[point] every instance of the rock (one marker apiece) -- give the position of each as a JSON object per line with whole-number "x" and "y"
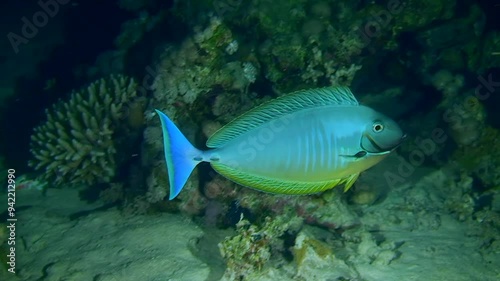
{"x": 106, "y": 246}
{"x": 315, "y": 260}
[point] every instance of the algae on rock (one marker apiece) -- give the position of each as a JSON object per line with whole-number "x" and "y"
{"x": 252, "y": 248}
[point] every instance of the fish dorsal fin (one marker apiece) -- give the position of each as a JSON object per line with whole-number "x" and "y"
{"x": 281, "y": 106}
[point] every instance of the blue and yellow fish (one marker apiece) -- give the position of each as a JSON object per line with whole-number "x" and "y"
{"x": 301, "y": 143}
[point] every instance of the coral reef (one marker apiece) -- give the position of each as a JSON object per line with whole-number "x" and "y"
{"x": 418, "y": 55}
{"x": 466, "y": 120}
{"x": 197, "y": 66}
{"x": 329, "y": 211}
{"x": 325, "y": 52}
{"x": 482, "y": 157}
{"x": 221, "y": 189}
{"x": 192, "y": 200}
{"x": 253, "y": 247}
{"x": 456, "y": 44}
{"x": 447, "y": 83}
{"x": 76, "y": 144}
{"x": 247, "y": 251}
{"x": 233, "y": 62}
{"x": 489, "y": 57}
{"x": 465, "y": 116}
{"x": 313, "y": 256}
{"x": 409, "y": 17}
{"x": 133, "y": 30}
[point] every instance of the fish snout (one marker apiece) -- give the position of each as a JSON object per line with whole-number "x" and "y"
{"x": 401, "y": 140}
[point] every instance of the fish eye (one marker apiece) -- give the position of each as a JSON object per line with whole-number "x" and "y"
{"x": 378, "y": 127}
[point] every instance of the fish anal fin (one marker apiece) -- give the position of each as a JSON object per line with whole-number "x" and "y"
{"x": 270, "y": 185}
{"x": 350, "y": 181}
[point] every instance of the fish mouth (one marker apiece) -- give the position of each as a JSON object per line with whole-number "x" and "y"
{"x": 382, "y": 150}
{"x": 401, "y": 140}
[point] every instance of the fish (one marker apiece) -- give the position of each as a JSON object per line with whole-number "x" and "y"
{"x": 301, "y": 143}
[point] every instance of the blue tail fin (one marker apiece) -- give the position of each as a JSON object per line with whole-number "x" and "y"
{"x": 181, "y": 156}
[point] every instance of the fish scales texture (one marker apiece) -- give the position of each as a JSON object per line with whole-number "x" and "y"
{"x": 294, "y": 151}
{"x": 303, "y": 143}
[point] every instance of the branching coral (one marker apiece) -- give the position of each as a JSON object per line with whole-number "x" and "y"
{"x": 76, "y": 143}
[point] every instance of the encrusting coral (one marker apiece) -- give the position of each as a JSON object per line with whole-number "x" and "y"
{"x": 76, "y": 144}
{"x": 197, "y": 67}
{"x": 253, "y": 247}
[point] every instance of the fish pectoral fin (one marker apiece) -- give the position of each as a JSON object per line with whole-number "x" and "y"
{"x": 358, "y": 155}
{"x": 350, "y": 181}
